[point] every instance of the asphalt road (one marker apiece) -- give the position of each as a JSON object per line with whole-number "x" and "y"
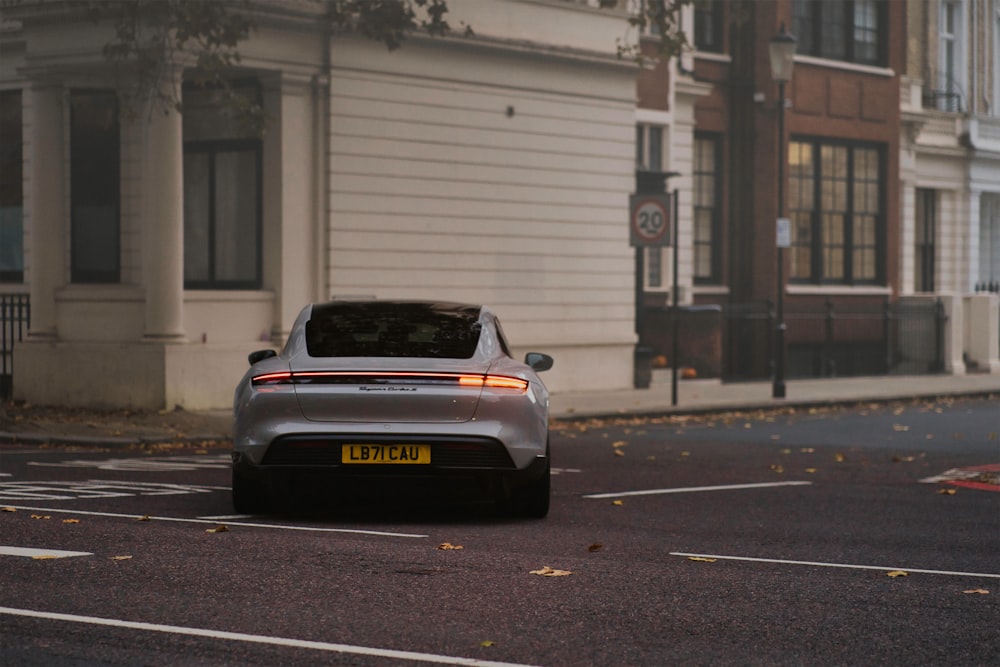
{"x": 721, "y": 540}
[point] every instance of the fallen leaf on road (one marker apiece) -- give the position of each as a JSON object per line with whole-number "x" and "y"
{"x": 947, "y": 492}
{"x": 807, "y": 450}
{"x": 977, "y": 591}
{"x": 218, "y": 529}
{"x": 595, "y": 547}
{"x": 448, "y": 546}
{"x": 839, "y": 458}
{"x": 547, "y": 571}
{"x": 903, "y": 459}
{"x": 487, "y": 643}
{"x": 144, "y": 517}
{"x": 701, "y": 559}
{"x": 44, "y": 557}
{"x": 897, "y": 573}
{"x": 618, "y": 502}
{"x": 619, "y": 452}
{"x": 811, "y": 470}
{"x": 619, "y": 443}
{"x": 40, "y": 516}
{"x": 121, "y": 558}
{"x": 778, "y": 468}
{"x": 7, "y": 509}
{"x": 71, "y": 521}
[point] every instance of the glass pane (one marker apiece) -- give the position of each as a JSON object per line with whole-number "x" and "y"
{"x": 197, "y": 221}
{"x": 236, "y": 216}
{"x": 656, "y": 148}
{"x": 11, "y": 244}
{"x": 834, "y": 29}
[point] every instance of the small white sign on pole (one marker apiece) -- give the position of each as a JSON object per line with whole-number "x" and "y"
{"x": 784, "y": 233}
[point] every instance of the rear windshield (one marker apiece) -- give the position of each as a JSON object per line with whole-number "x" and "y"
{"x": 393, "y": 329}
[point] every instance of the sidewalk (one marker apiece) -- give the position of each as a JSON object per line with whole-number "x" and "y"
{"x": 122, "y": 428}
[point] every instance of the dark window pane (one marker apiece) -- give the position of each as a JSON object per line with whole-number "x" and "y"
{"x": 11, "y": 189}
{"x": 197, "y": 221}
{"x": 94, "y": 187}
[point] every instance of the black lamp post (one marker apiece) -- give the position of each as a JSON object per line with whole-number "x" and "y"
{"x": 782, "y": 52}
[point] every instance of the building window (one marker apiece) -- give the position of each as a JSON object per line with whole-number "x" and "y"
{"x": 222, "y": 195}
{"x": 836, "y": 208}
{"x": 11, "y": 189}
{"x": 925, "y": 232}
{"x": 989, "y": 242}
{"x": 94, "y": 187}
{"x": 949, "y": 93}
{"x": 848, "y": 30}
{"x": 708, "y": 26}
{"x": 706, "y": 209}
{"x": 649, "y": 157}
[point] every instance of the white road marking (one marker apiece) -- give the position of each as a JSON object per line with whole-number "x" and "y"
{"x": 230, "y": 523}
{"x": 227, "y": 517}
{"x": 692, "y": 489}
{"x": 31, "y": 553}
{"x": 95, "y": 488}
{"x": 147, "y": 464}
{"x": 260, "y": 639}
{"x": 837, "y": 565}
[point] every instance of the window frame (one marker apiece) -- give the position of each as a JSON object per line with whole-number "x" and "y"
{"x": 714, "y": 275}
{"x": 818, "y": 248}
{"x": 214, "y": 147}
{"x": 924, "y": 239}
{"x": 709, "y": 26}
{"x": 812, "y": 22}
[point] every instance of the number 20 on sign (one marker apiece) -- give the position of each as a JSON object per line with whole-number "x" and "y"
{"x": 650, "y": 220}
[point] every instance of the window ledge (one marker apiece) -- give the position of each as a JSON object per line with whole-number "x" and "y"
{"x": 223, "y": 295}
{"x": 838, "y": 290}
{"x": 846, "y": 66}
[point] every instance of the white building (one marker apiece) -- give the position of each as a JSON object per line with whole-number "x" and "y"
{"x": 159, "y": 250}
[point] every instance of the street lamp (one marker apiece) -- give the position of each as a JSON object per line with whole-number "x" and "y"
{"x": 782, "y": 51}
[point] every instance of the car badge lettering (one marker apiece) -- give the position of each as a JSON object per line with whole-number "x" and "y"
{"x": 363, "y": 388}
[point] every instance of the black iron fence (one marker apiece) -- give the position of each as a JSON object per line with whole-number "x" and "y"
{"x": 736, "y": 341}
{"x": 15, "y": 318}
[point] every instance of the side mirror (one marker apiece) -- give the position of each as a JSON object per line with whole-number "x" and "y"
{"x": 261, "y": 355}
{"x": 539, "y": 362}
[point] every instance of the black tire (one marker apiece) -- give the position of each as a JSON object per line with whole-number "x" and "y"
{"x": 531, "y": 501}
{"x": 249, "y": 496}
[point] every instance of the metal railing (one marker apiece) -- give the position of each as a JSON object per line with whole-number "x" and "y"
{"x": 15, "y": 318}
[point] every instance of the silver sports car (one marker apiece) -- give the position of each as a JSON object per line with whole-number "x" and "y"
{"x": 369, "y": 397}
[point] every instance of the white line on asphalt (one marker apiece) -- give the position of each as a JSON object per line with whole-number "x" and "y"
{"x": 839, "y": 565}
{"x": 692, "y": 489}
{"x": 31, "y": 553}
{"x": 227, "y": 517}
{"x": 238, "y": 523}
{"x": 259, "y": 639}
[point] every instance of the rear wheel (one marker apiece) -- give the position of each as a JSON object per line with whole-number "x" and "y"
{"x": 249, "y": 496}
{"x": 531, "y": 501}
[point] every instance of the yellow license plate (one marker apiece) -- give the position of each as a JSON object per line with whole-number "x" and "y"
{"x": 394, "y": 454}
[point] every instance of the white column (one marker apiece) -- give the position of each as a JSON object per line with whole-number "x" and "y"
{"x": 47, "y": 201}
{"x": 289, "y": 201}
{"x": 163, "y": 226}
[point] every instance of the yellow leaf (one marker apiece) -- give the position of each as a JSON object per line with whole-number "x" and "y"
{"x": 900, "y": 427}
{"x": 839, "y": 458}
{"x": 947, "y": 492}
{"x": 619, "y": 452}
{"x": 685, "y": 453}
{"x": 40, "y": 516}
{"x": 595, "y": 547}
{"x": 44, "y": 557}
{"x": 7, "y": 509}
{"x": 547, "y": 571}
{"x": 903, "y": 459}
{"x": 700, "y": 559}
{"x": 121, "y": 558}
{"x": 448, "y": 546}
{"x": 618, "y": 502}
{"x": 778, "y": 468}
{"x": 144, "y": 517}
{"x": 486, "y": 643}
{"x": 977, "y": 591}
{"x": 811, "y": 470}
{"x": 897, "y": 573}
{"x": 71, "y": 521}
{"x": 619, "y": 443}
{"x": 218, "y": 529}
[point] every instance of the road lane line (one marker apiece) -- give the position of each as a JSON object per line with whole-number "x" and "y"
{"x": 31, "y": 553}
{"x": 693, "y": 489}
{"x": 228, "y": 523}
{"x": 260, "y": 639}
{"x": 837, "y": 565}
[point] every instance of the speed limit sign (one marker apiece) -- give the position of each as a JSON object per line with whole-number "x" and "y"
{"x": 650, "y": 220}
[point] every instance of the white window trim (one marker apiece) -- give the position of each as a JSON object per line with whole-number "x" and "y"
{"x": 958, "y": 40}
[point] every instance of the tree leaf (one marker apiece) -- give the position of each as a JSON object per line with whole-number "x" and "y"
{"x": 44, "y": 557}
{"x": 897, "y": 573}
{"x": 218, "y": 529}
{"x": 618, "y": 502}
{"x": 7, "y": 509}
{"x": 977, "y": 591}
{"x": 121, "y": 558}
{"x": 448, "y": 546}
{"x": 71, "y": 521}
{"x": 947, "y": 492}
{"x": 595, "y": 547}
{"x": 547, "y": 571}
{"x": 144, "y": 517}
{"x": 701, "y": 559}
{"x": 486, "y": 643}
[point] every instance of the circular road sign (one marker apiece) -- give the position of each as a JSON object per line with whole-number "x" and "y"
{"x": 651, "y": 220}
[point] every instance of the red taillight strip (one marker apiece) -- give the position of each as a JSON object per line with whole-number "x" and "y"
{"x": 345, "y": 377}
